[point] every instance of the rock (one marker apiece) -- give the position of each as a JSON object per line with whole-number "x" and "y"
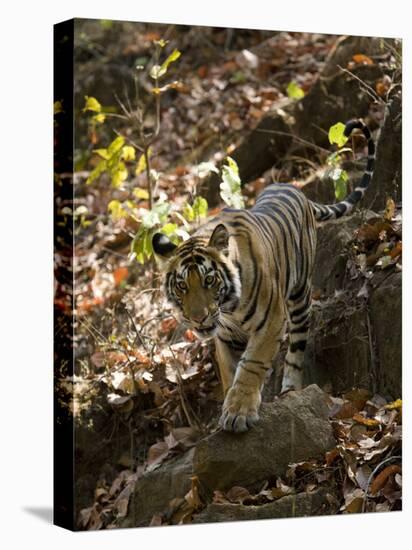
{"x": 333, "y": 238}
{"x": 341, "y": 97}
{"x": 155, "y": 489}
{"x": 387, "y": 177}
{"x": 338, "y": 352}
{"x": 299, "y": 505}
{"x": 386, "y": 321}
{"x": 292, "y": 428}
{"x": 357, "y": 342}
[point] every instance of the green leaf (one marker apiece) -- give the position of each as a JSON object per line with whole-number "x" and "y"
{"x": 230, "y": 187}
{"x": 141, "y": 245}
{"x": 116, "y": 210}
{"x": 204, "y": 168}
{"x": 140, "y": 193}
{"x": 115, "y": 145}
{"x": 162, "y": 43}
{"x": 188, "y": 212}
{"x": 334, "y": 158}
{"x": 141, "y": 163}
{"x": 91, "y": 104}
{"x": 82, "y": 209}
{"x": 172, "y": 57}
{"x": 169, "y": 228}
{"x": 128, "y": 153}
{"x": 336, "y": 134}
{"x": 294, "y": 91}
{"x": 157, "y": 71}
{"x": 100, "y": 118}
{"x": 96, "y": 172}
{"x": 200, "y": 207}
{"x": 150, "y": 219}
{"x": 233, "y": 165}
{"x": 119, "y": 175}
{"x": 340, "y": 178}
{"x": 103, "y": 153}
{"x": 131, "y": 205}
{"x": 162, "y": 209}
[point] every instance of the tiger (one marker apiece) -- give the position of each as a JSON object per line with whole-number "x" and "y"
{"x": 246, "y": 275}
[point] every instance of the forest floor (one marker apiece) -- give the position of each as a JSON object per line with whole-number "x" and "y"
{"x": 145, "y": 388}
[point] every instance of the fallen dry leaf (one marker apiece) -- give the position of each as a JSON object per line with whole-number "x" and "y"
{"x": 237, "y": 495}
{"x": 157, "y": 453}
{"x": 362, "y": 59}
{"x": 120, "y": 274}
{"x": 192, "y": 497}
{"x": 369, "y": 422}
{"x": 381, "y": 478}
{"x": 389, "y": 210}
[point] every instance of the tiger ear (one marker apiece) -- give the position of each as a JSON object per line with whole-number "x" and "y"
{"x": 220, "y": 238}
{"x": 163, "y": 247}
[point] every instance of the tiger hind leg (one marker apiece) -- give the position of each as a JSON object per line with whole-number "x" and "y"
{"x": 299, "y": 307}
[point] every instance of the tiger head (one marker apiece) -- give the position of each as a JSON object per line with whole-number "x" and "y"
{"x": 201, "y": 280}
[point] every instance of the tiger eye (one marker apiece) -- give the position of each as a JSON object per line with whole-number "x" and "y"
{"x": 182, "y": 285}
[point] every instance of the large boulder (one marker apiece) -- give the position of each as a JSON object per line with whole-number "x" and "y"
{"x": 356, "y": 341}
{"x": 155, "y": 490}
{"x": 386, "y": 324}
{"x": 292, "y": 428}
{"x": 338, "y": 352}
{"x": 387, "y": 177}
{"x": 333, "y": 238}
{"x": 318, "y": 503}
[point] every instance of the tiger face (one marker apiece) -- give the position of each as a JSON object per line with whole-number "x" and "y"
{"x": 201, "y": 281}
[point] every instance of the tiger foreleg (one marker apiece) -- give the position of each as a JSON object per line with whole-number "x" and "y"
{"x": 226, "y": 361}
{"x": 241, "y": 406}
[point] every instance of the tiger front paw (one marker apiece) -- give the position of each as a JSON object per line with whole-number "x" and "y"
{"x": 240, "y": 409}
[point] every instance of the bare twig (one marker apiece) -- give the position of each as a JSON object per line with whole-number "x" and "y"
{"x": 296, "y": 138}
{"x": 191, "y": 417}
{"x": 138, "y": 336}
{"x": 368, "y": 89}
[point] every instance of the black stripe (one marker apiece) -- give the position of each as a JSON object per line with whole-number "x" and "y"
{"x": 266, "y": 314}
{"x": 234, "y": 344}
{"x": 297, "y": 346}
{"x": 297, "y": 329}
{"x": 250, "y": 371}
{"x": 285, "y": 245}
{"x": 239, "y": 268}
{"x": 299, "y": 367}
{"x": 254, "y": 298}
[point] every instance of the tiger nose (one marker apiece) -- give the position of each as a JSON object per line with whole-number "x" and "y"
{"x": 200, "y": 317}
